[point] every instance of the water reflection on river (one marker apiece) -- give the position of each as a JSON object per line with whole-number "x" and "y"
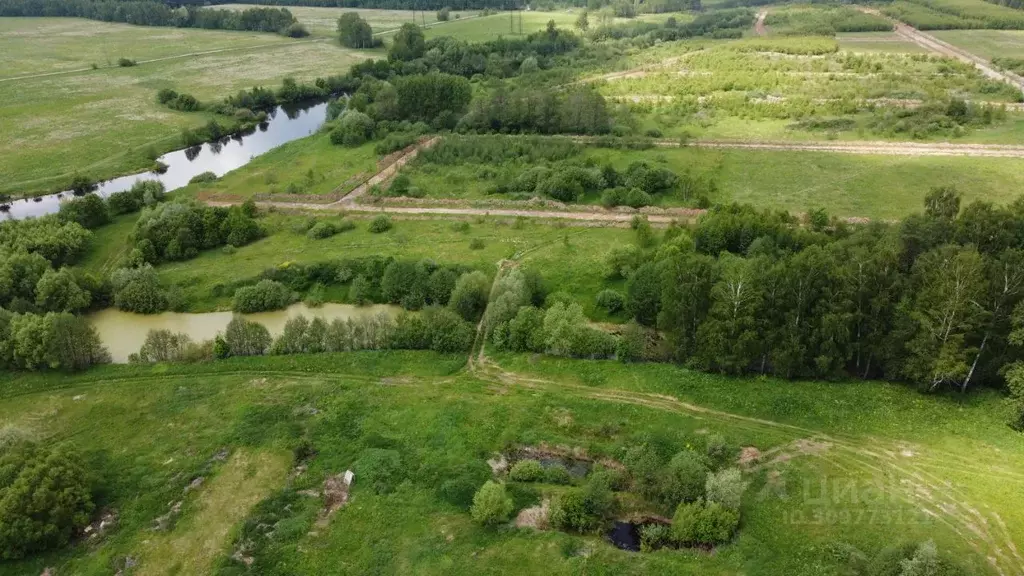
{"x": 282, "y": 126}
{"x": 124, "y": 332}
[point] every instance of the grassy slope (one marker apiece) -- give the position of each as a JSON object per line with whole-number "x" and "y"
{"x": 311, "y": 166}
{"x": 576, "y": 267}
{"x": 437, "y": 419}
{"x": 101, "y": 121}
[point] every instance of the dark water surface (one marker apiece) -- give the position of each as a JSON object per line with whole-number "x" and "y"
{"x": 625, "y": 536}
{"x": 282, "y": 125}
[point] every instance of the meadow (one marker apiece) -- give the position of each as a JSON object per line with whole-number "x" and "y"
{"x": 323, "y": 22}
{"x": 846, "y": 185}
{"x": 885, "y": 42}
{"x": 572, "y": 259}
{"x": 868, "y": 465}
{"x": 494, "y": 26}
{"x": 106, "y": 122}
{"x": 986, "y": 43}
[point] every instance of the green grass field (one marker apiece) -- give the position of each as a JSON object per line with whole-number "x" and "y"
{"x": 324, "y": 21}
{"x": 877, "y": 42}
{"x": 848, "y": 185}
{"x": 307, "y": 167}
{"x": 576, "y": 267}
{"x": 501, "y": 24}
{"x": 100, "y": 122}
{"x": 866, "y": 464}
{"x": 986, "y": 43}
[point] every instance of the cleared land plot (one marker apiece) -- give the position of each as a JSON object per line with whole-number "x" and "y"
{"x": 877, "y": 187}
{"x": 875, "y": 463}
{"x": 985, "y": 43}
{"x": 877, "y": 42}
{"x": 101, "y": 122}
{"x": 324, "y": 21}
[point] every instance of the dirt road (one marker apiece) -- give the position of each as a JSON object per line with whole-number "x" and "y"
{"x": 946, "y": 49}
{"x": 759, "y": 28}
{"x": 593, "y": 216}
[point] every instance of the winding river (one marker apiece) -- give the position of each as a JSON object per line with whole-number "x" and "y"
{"x": 124, "y": 332}
{"x": 220, "y": 157}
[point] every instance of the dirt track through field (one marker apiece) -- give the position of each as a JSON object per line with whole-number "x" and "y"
{"x": 759, "y": 28}
{"x": 599, "y": 217}
{"x": 933, "y": 44}
{"x": 898, "y": 469}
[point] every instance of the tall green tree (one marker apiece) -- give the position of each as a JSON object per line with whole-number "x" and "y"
{"x": 949, "y": 286}
{"x": 354, "y": 32}
{"x": 408, "y": 43}
{"x": 728, "y": 340}
{"x": 685, "y": 286}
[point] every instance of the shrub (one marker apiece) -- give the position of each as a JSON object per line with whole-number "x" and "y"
{"x": 526, "y": 471}
{"x": 476, "y": 244}
{"x": 444, "y": 14}
{"x": 447, "y": 332}
{"x": 462, "y": 483}
{"x": 654, "y": 536}
{"x": 557, "y": 474}
{"x": 144, "y": 193}
{"x": 246, "y": 338}
{"x": 610, "y": 300}
{"x": 683, "y": 479}
{"x": 264, "y": 295}
{"x": 491, "y": 505}
{"x": 353, "y": 129}
{"x": 380, "y": 469}
{"x": 380, "y": 223}
{"x": 703, "y": 523}
{"x": 138, "y": 290}
{"x": 582, "y": 510}
{"x": 45, "y": 497}
{"x": 125, "y": 62}
{"x": 89, "y": 211}
{"x": 361, "y": 291}
{"x": 726, "y": 488}
{"x": 469, "y": 297}
{"x": 322, "y": 230}
{"x": 718, "y": 450}
{"x": 203, "y": 178}
{"x": 440, "y": 285}
{"x": 163, "y": 346}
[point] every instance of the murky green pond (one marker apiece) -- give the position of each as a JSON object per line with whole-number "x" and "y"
{"x": 124, "y": 332}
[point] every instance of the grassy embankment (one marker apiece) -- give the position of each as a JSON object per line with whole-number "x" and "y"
{"x": 106, "y": 121}
{"x": 869, "y": 464}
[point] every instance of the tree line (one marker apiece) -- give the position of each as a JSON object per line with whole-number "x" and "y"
{"x": 152, "y": 13}
{"x": 929, "y": 301}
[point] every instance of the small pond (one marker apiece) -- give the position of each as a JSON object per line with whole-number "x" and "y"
{"x": 124, "y": 332}
{"x": 625, "y": 536}
{"x": 283, "y": 125}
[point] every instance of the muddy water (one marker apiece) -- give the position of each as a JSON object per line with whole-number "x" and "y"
{"x": 124, "y": 332}
{"x": 283, "y": 125}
